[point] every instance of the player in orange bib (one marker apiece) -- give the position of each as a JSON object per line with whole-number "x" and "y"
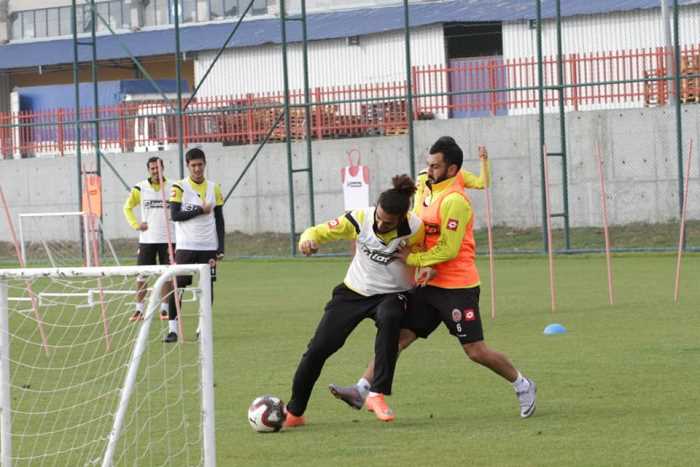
{"x": 452, "y": 296}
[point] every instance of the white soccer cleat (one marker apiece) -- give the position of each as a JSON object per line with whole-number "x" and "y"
{"x": 528, "y": 399}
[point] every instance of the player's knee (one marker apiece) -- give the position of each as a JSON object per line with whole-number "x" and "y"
{"x": 476, "y": 351}
{"x": 390, "y": 313}
{"x": 388, "y": 318}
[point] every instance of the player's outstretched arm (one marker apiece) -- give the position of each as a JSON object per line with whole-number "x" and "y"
{"x": 483, "y": 180}
{"x": 345, "y": 227}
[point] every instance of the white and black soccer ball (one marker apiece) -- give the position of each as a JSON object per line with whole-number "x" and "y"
{"x": 266, "y": 414}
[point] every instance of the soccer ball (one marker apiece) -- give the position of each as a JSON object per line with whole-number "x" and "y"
{"x": 266, "y": 414}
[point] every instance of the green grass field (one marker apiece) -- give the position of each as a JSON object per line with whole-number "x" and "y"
{"x": 620, "y": 388}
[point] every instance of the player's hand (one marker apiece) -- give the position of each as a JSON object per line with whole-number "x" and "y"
{"x": 207, "y": 207}
{"x": 424, "y": 275}
{"x": 143, "y": 226}
{"x": 483, "y": 153}
{"x": 308, "y": 247}
{"x": 403, "y": 252}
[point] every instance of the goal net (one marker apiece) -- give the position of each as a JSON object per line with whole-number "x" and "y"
{"x": 64, "y": 239}
{"x": 81, "y": 384}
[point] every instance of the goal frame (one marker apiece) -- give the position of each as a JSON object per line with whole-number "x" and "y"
{"x": 206, "y": 349}
{"x": 86, "y": 244}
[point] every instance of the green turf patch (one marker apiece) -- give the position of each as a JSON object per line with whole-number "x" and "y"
{"x": 618, "y": 389}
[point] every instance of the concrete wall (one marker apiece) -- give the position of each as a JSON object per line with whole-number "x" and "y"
{"x": 638, "y": 145}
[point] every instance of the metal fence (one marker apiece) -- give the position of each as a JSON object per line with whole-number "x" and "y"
{"x": 477, "y": 87}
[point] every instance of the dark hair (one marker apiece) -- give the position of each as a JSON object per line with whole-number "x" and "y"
{"x": 195, "y": 153}
{"x": 451, "y": 152}
{"x": 397, "y": 200}
{"x": 154, "y": 159}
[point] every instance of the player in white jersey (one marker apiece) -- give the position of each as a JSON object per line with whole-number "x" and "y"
{"x": 373, "y": 288}
{"x": 196, "y": 206}
{"x": 153, "y": 229}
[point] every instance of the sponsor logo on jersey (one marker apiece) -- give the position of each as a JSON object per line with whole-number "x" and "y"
{"x": 354, "y": 184}
{"x": 378, "y": 256}
{"x": 154, "y": 204}
{"x": 333, "y": 224}
{"x": 456, "y": 315}
{"x": 452, "y": 224}
{"x": 469, "y": 314}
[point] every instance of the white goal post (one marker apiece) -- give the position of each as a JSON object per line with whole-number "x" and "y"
{"x": 57, "y": 361}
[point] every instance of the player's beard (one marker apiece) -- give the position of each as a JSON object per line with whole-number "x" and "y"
{"x": 432, "y": 181}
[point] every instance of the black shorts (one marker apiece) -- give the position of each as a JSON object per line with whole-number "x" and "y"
{"x": 457, "y": 309}
{"x": 194, "y": 257}
{"x": 149, "y": 252}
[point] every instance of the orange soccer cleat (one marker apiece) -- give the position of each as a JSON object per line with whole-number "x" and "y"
{"x": 293, "y": 421}
{"x": 375, "y": 403}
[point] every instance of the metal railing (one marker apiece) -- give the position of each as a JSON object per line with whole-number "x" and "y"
{"x": 478, "y": 87}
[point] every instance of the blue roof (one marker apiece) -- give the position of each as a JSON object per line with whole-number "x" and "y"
{"x": 330, "y": 25}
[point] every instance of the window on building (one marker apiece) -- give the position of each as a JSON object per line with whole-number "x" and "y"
{"x": 473, "y": 39}
{"x": 49, "y": 22}
{"x": 231, "y": 8}
{"x": 16, "y": 25}
{"x": 234, "y": 8}
{"x": 64, "y": 21}
{"x": 40, "y": 23}
{"x": 216, "y": 9}
{"x": 103, "y": 11}
{"x": 28, "y": 24}
{"x": 156, "y": 12}
{"x": 260, "y": 7}
{"x": 52, "y": 20}
{"x": 189, "y": 11}
{"x": 118, "y": 16}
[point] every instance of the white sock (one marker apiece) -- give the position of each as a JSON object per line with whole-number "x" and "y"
{"x": 139, "y": 307}
{"x": 520, "y": 383}
{"x": 373, "y": 394}
{"x": 172, "y": 326}
{"x": 363, "y": 387}
{"x": 164, "y": 307}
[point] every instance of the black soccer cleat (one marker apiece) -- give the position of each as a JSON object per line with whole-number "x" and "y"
{"x": 171, "y": 337}
{"x": 348, "y": 394}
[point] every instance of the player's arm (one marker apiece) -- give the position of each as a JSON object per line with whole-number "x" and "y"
{"x": 455, "y": 213}
{"x": 484, "y": 178}
{"x": 131, "y": 202}
{"x": 345, "y": 227}
{"x": 421, "y": 179}
{"x": 176, "y": 212}
{"x": 219, "y": 219}
{"x": 415, "y": 241}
